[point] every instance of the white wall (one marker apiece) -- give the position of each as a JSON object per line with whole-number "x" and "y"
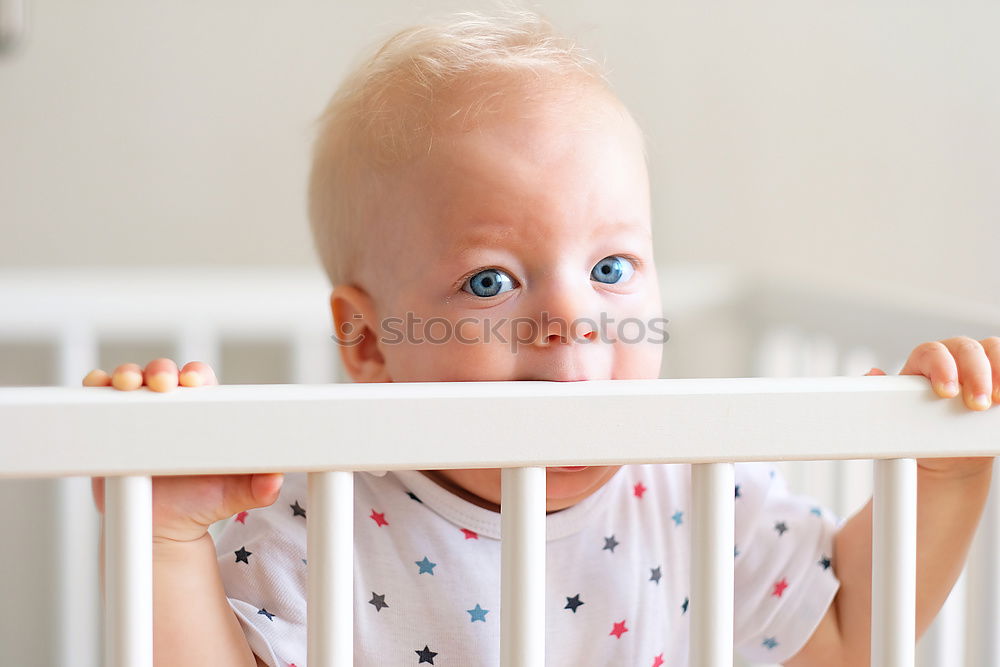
{"x": 855, "y": 139}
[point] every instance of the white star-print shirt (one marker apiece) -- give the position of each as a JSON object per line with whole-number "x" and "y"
{"x": 427, "y": 572}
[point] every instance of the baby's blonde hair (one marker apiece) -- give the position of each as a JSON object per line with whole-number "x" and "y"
{"x": 386, "y": 111}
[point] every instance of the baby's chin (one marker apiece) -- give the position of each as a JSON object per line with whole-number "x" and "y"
{"x": 567, "y": 485}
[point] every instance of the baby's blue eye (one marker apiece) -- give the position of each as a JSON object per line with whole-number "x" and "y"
{"x": 613, "y": 269}
{"x": 489, "y": 282}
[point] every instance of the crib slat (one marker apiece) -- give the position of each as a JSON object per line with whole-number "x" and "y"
{"x": 894, "y": 563}
{"x": 77, "y": 522}
{"x": 983, "y": 597}
{"x": 712, "y": 569}
{"x": 128, "y": 571}
{"x": 199, "y": 341}
{"x": 522, "y": 567}
{"x": 330, "y": 563}
{"x": 312, "y": 357}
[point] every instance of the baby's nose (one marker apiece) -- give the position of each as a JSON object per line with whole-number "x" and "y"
{"x": 556, "y": 331}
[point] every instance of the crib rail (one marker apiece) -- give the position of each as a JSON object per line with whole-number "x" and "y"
{"x": 210, "y": 430}
{"x": 708, "y": 422}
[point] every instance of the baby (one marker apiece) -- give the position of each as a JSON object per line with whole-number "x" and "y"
{"x": 480, "y": 201}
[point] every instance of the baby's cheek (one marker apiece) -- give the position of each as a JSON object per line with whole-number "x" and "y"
{"x": 635, "y": 341}
{"x": 458, "y": 361}
{"x": 636, "y": 360}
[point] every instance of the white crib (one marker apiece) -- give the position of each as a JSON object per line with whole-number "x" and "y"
{"x": 753, "y": 333}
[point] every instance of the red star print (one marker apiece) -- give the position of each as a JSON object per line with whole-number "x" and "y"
{"x": 242, "y": 517}
{"x": 618, "y": 630}
{"x": 469, "y": 535}
{"x": 658, "y": 660}
{"x": 379, "y": 519}
{"x": 638, "y": 490}
{"x": 780, "y": 587}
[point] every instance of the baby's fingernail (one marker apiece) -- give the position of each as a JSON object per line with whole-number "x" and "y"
{"x": 949, "y": 389}
{"x": 127, "y": 380}
{"x": 162, "y": 381}
{"x": 191, "y": 379}
{"x": 981, "y": 401}
{"x": 95, "y": 378}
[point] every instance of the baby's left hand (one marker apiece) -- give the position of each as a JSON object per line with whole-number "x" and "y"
{"x": 952, "y": 365}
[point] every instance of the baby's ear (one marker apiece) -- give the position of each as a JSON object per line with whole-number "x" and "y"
{"x": 356, "y": 330}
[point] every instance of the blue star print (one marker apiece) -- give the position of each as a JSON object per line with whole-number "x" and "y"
{"x": 677, "y": 517}
{"x": 655, "y": 574}
{"x": 425, "y": 566}
{"x": 265, "y": 612}
{"x": 610, "y": 543}
{"x": 478, "y": 614}
{"x": 817, "y": 511}
{"x": 573, "y": 602}
{"x": 769, "y": 643}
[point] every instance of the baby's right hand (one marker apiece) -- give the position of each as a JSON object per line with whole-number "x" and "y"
{"x": 184, "y": 506}
{"x": 160, "y": 375}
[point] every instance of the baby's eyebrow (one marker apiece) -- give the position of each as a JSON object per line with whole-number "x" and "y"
{"x": 492, "y": 235}
{"x": 484, "y": 235}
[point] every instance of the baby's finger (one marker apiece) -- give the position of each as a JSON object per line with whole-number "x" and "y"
{"x": 974, "y": 371}
{"x": 127, "y": 377}
{"x": 97, "y": 378}
{"x": 992, "y": 347}
{"x": 934, "y": 360}
{"x": 161, "y": 374}
{"x": 196, "y": 374}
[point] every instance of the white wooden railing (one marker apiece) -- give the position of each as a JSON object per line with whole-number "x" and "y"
{"x": 722, "y": 323}
{"x": 707, "y": 422}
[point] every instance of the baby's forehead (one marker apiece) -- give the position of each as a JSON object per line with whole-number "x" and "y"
{"x": 515, "y": 166}
{"x": 414, "y": 122}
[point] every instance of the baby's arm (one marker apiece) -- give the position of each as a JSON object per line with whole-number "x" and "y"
{"x": 193, "y": 623}
{"x": 948, "y": 511}
{"x": 951, "y": 496}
